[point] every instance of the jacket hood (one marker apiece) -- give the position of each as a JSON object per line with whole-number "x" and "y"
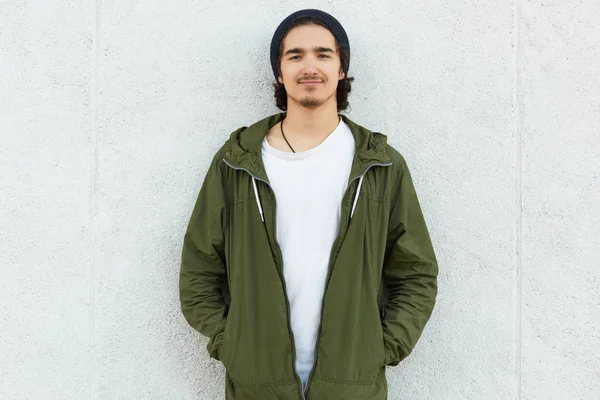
{"x": 243, "y": 149}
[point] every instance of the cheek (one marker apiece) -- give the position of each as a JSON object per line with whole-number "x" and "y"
{"x": 288, "y": 75}
{"x": 334, "y": 72}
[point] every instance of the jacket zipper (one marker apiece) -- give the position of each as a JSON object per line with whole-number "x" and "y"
{"x": 332, "y": 256}
{"x": 280, "y": 259}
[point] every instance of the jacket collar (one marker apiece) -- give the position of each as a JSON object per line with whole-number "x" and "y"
{"x": 245, "y": 146}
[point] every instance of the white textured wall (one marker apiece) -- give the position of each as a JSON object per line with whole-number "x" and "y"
{"x": 110, "y": 112}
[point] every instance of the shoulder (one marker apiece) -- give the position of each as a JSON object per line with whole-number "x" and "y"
{"x": 376, "y": 143}
{"x": 392, "y": 153}
{"x": 396, "y": 158}
{"x": 227, "y": 146}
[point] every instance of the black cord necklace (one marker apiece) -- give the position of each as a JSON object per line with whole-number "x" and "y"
{"x": 284, "y": 138}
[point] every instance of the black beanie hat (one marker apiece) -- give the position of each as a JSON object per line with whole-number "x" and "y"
{"x": 328, "y": 20}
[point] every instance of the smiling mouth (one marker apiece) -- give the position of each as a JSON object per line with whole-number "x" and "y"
{"x": 310, "y": 83}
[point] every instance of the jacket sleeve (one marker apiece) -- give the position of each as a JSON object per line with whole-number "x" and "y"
{"x": 203, "y": 272}
{"x": 410, "y": 273}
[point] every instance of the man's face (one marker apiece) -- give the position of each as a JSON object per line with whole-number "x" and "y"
{"x": 310, "y": 66}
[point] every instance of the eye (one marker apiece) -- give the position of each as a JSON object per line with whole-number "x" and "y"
{"x": 324, "y": 55}
{"x": 291, "y": 58}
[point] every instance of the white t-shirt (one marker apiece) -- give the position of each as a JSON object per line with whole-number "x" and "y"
{"x": 309, "y": 187}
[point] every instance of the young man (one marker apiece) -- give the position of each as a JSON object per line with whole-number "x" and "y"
{"x": 307, "y": 261}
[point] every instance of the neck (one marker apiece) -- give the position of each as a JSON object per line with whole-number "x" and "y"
{"x": 311, "y": 122}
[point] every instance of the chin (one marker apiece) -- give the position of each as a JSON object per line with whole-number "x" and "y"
{"x": 311, "y": 102}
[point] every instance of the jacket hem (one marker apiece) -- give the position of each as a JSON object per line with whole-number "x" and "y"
{"x": 342, "y": 382}
{"x": 327, "y": 388}
{"x": 259, "y": 385}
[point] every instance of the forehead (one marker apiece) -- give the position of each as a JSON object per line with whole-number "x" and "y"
{"x": 308, "y": 36}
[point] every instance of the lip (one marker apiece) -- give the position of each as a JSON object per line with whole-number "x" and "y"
{"x": 310, "y": 83}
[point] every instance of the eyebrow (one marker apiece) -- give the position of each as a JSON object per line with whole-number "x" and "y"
{"x": 297, "y": 50}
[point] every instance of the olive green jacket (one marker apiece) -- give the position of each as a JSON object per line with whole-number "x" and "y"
{"x": 380, "y": 289}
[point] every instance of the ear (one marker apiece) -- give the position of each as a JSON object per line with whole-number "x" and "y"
{"x": 342, "y": 74}
{"x": 280, "y": 79}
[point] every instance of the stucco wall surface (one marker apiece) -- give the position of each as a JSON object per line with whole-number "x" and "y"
{"x": 110, "y": 112}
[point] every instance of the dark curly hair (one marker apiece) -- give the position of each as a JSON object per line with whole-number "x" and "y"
{"x": 344, "y": 85}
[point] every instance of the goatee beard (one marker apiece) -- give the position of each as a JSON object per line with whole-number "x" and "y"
{"x": 310, "y": 102}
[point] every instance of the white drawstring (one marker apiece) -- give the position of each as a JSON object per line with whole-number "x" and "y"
{"x": 356, "y": 195}
{"x": 258, "y": 200}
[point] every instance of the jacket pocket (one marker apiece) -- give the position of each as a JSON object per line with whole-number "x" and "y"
{"x": 223, "y": 353}
{"x": 352, "y": 341}
{"x": 384, "y": 350}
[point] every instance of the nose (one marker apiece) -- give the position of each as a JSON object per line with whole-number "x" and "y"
{"x": 310, "y": 66}
{"x": 309, "y": 70}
